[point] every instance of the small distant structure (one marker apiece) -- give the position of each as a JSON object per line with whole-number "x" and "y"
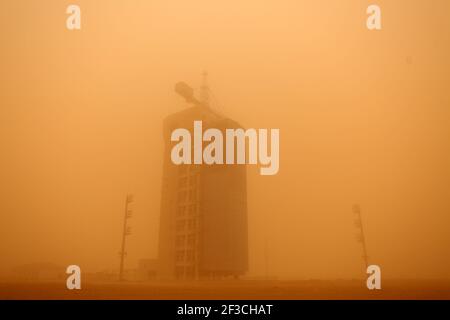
{"x": 101, "y": 276}
{"x": 39, "y": 272}
{"x": 147, "y": 269}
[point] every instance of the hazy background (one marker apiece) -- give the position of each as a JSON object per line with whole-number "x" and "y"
{"x": 364, "y": 118}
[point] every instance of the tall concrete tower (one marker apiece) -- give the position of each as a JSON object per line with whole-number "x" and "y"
{"x": 203, "y": 222}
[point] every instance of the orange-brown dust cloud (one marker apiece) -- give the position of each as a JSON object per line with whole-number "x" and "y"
{"x": 363, "y": 116}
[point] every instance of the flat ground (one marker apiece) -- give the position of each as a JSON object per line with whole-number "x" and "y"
{"x": 236, "y": 290}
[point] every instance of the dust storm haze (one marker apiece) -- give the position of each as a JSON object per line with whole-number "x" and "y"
{"x": 364, "y": 119}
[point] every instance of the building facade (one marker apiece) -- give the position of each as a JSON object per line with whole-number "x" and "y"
{"x": 203, "y": 221}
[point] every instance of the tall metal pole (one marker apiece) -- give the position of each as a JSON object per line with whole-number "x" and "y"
{"x": 126, "y": 231}
{"x": 361, "y": 236}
